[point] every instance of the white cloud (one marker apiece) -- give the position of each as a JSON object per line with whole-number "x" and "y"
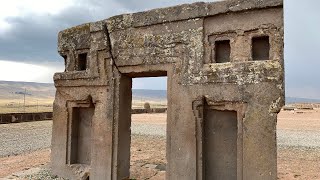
{"x": 21, "y": 7}
{"x": 17, "y": 71}
{"x": 16, "y": 8}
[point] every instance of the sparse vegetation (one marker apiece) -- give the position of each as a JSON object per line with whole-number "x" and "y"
{"x": 39, "y": 97}
{"x": 26, "y": 97}
{"x": 32, "y": 105}
{"x": 147, "y": 106}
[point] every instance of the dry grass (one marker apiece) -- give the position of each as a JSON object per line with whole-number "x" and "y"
{"x": 32, "y": 105}
{"x": 45, "y": 105}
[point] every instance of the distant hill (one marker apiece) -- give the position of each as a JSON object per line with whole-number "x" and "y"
{"x": 148, "y": 94}
{"x": 291, "y": 100}
{"x": 15, "y": 90}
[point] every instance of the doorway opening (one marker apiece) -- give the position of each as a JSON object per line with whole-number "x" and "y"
{"x": 147, "y": 126}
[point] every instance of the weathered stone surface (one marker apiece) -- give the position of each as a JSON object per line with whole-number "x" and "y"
{"x": 179, "y": 42}
{"x": 185, "y": 12}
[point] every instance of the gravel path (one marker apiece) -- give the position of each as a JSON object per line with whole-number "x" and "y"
{"x": 148, "y": 129}
{"x": 24, "y": 137}
{"x": 285, "y": 138}
{"x": 30, "y": 136}
{"x": 301, "y": 138}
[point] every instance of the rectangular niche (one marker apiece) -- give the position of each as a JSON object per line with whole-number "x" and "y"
{"x": 220, "y": 131}
{"x": 82, "y": 61}
{"x": 222, "y": 51}
{"x": 260, "y": 48}
{"x": 81, "y": 127}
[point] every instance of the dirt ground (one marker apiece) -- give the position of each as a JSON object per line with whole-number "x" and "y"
{"x": 148, "y": 151}
{"x": 299, "y": 120}
{"x": 12, "y": 164}
{"x": 299, "y": 162}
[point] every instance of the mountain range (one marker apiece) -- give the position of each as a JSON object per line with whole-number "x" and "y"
{"x": 14, "y": 90}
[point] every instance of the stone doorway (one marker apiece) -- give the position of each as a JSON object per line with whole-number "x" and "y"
{"x": 228, "y": 54}
{"x": 126, "y": 131}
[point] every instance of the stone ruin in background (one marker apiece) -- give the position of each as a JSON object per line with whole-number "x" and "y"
{"x": 224, "y": 63}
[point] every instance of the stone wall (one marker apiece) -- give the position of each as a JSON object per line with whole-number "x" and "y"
{"x": 27, "y": 117}
{"x": 24, "y": 117}
{"x": 152, "y": 110}
{"x": 224, "y": 63}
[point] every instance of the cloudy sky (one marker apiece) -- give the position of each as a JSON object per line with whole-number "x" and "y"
{"x": 28, "y": 38}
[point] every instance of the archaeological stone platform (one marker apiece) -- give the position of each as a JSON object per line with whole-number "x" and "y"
{"x": 224, "y": 63}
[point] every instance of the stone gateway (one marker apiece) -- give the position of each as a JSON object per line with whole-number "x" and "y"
{"x": 225, "y": 69}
